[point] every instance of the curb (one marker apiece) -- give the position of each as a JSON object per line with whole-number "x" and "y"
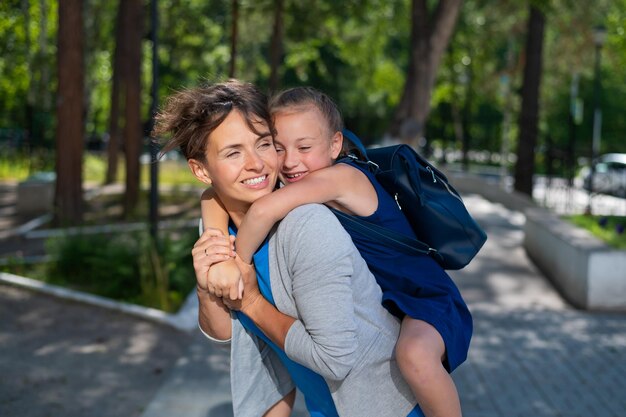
{"x": 185, "y": 319}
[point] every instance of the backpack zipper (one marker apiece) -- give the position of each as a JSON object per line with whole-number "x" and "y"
{"x": 429, "y": 169}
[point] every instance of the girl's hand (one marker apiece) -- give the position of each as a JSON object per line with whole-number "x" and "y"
{"x": 212, "y": 247}
{"x": 224, "y": 280}
{"x": 251, "y": 293}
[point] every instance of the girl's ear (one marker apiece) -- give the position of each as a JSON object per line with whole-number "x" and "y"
{"x": 336, "y": 145}
{"x": 199, "y": 171}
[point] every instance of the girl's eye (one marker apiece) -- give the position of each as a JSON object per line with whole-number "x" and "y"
{"x": 279, "y": 150}
{"x": 264, "y": 145}
{"x": 304, "y": 148}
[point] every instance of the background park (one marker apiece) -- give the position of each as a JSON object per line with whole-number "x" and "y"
{"x": 516, "y": 97}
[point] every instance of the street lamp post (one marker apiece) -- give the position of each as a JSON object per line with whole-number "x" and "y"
{"x": 599, "y": 36}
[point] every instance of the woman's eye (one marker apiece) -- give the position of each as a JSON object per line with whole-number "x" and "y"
{"x": 233, "y": 154}
{"x": 279, "y": 150}
{"x": 265, "y": 145}
{"x": 304, "y": 148}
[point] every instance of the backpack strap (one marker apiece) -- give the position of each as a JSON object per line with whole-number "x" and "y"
{"x": 355, "y": 141}
{"x": 396, "y": 240}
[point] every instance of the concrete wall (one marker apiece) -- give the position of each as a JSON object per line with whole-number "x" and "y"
{"x": 490, "y": 189}
{"x": 35, "y": 195}
{"x": 586, "y": 271}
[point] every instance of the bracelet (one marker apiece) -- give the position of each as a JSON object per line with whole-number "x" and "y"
{"x": 214, "y": 340}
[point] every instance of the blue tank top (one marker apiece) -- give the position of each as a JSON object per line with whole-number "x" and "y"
{"x": 317, "y": 396}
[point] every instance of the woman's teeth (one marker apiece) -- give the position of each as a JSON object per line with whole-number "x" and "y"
{"x": 254, "y": 181}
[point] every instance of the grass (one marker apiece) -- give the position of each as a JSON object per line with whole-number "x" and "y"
{"x": 609, "y": 229}
{"x": 18, "y": 166}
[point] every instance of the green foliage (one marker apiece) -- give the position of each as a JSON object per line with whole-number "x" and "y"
{"x": 126, "y": 266}
{"x": 610, "y": 229}
{"x": 27, "y": 37}
{"x": 356, "y": 50}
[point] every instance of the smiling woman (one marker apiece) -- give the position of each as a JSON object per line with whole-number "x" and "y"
{"x": 239, "y": 163}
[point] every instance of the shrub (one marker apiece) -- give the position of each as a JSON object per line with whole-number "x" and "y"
{"x": 127, "y": 266}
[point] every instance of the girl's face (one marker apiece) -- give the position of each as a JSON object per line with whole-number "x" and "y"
{"x": 240, "y": 164}
{"x": 304, "y": 143}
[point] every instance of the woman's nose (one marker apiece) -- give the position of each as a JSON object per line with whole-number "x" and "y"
{"x": 254, "y": 162}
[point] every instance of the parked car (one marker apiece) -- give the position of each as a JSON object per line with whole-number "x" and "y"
{"x": 609, "y": 176}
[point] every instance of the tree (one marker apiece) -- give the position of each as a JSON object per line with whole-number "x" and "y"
{"x": 133, "y": 137}
{"x": 430, "y": 35}
{"x": 233, "y": 38}
{"x": 276, "y": 45}
{"x": 528, "y": 121}
{"x": 113, "y": 145}
{"x": 70, "y": 111}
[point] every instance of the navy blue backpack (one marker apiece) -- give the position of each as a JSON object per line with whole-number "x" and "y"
{"x": 444, "y": 228}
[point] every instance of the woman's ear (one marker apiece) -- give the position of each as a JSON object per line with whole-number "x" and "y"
{"x": 199, "y": 171}
{"x": 336, "y": 144}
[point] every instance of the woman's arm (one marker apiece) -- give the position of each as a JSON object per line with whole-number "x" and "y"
{"x": 213, "y": 316}
{"x": 340, "y": 183}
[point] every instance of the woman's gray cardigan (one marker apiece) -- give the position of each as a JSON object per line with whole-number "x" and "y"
{"x": 342, "y": 332}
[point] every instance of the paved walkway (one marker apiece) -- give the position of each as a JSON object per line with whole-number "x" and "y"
{"x": 531, "y": 355}
{"x": 67, "y": 359}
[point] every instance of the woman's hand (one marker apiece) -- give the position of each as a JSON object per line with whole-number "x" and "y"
{"x": 251, "y": 293}
{"x": 210, "y": 249}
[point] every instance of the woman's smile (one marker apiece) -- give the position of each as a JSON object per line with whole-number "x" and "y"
{"x": 257, "y": 182}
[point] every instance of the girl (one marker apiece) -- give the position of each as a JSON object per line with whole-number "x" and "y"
{"x": 436, "y": 324}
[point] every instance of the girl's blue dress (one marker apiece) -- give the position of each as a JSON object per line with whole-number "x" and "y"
{"x": 416, "y": 286}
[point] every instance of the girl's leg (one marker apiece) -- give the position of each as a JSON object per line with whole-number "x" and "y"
{"x": 419, "y": 352}
{"x": 283, "y": 407}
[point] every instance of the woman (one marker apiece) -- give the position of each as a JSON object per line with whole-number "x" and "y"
{"x": 318, "y": 304}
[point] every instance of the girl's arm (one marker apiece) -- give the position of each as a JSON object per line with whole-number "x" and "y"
{"x": 341, "y": 184}
{"x": 214, "y": 215}
{"x": 223, "y": 278}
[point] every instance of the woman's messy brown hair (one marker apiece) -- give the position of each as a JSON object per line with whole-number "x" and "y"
{"x": 191, "y": 115}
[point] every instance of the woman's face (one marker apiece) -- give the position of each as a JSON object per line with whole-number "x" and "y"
{"x": 241, "y": 165}
{"x": 304, "y": 143}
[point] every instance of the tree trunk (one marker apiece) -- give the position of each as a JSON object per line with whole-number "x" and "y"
{"x": 276, "y": 46}
{"x": 70, "y": 126}
{"x": 113, "y": 146}
{"x": 233, "y": 38}
{"x": 133, "y": 137}
{"x": 525, "y": 166}
{"x": 430, "y": 35}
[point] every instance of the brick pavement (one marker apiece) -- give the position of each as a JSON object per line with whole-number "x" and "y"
{"x": 532, "y": 354}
